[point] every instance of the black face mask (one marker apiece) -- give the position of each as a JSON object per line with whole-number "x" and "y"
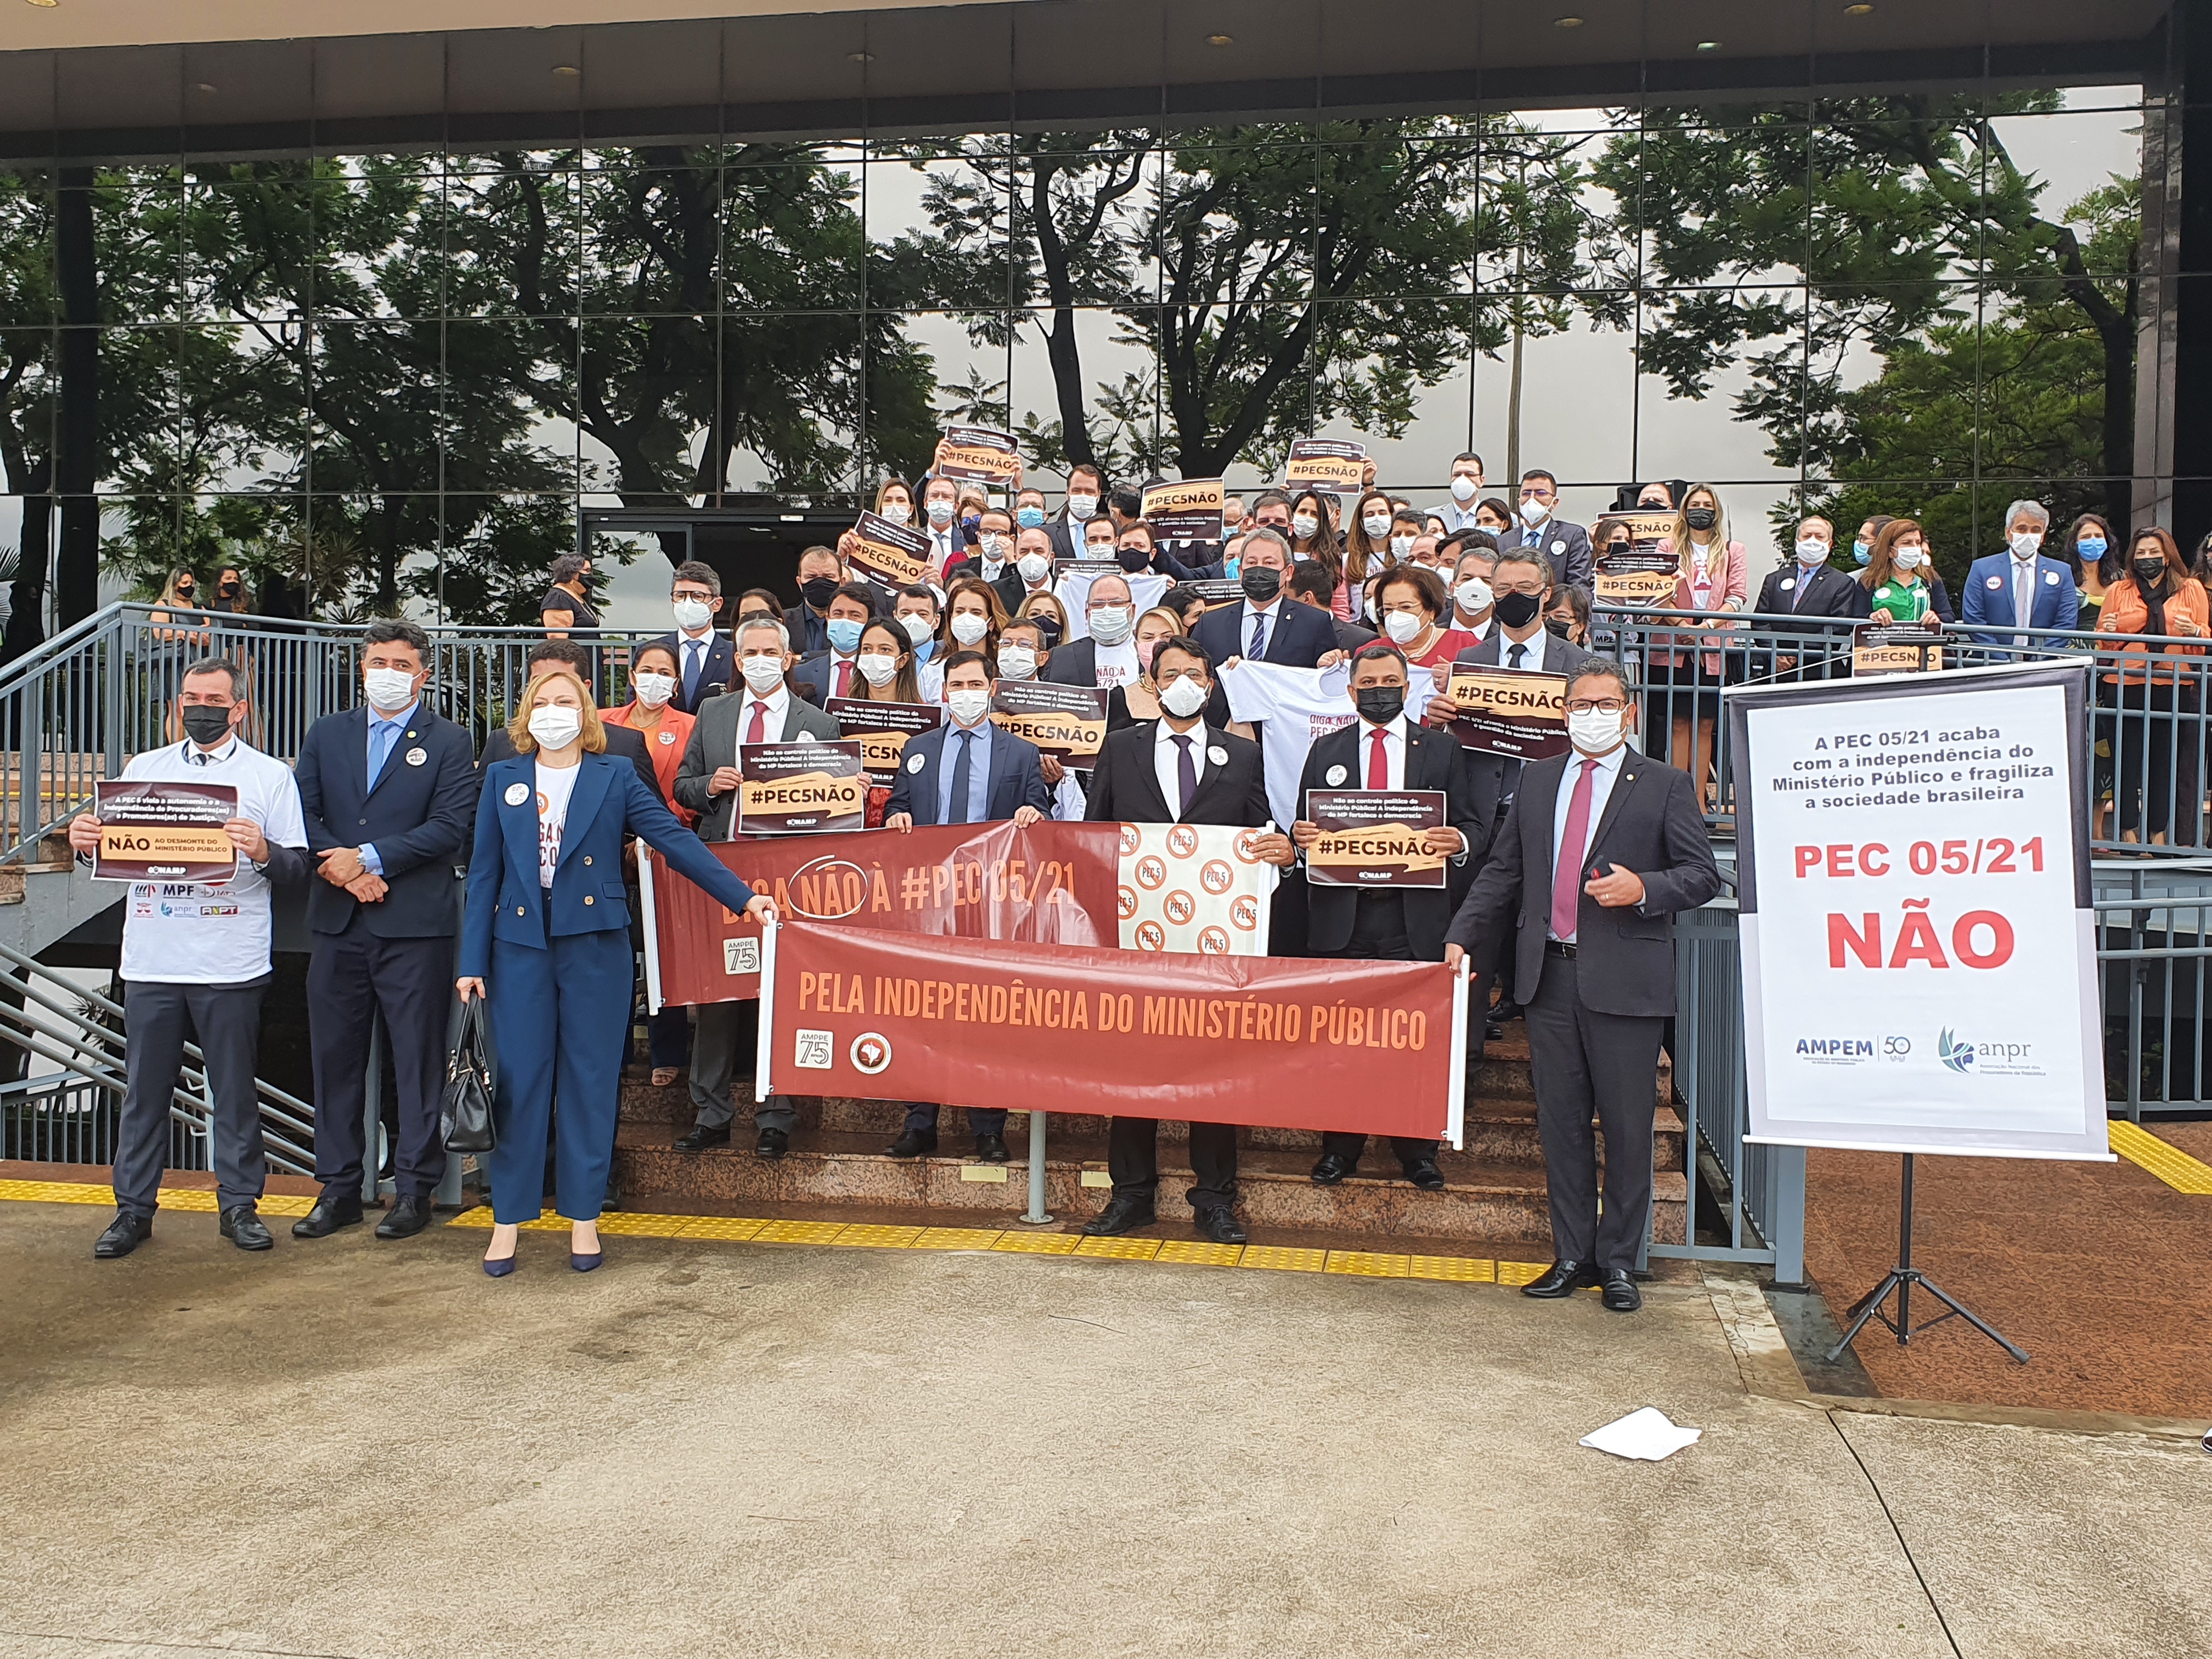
{"x": 2149, "y": 570}
{"x": 206, "y": 726}
{"x": 1259, "y": 582}
{"x": 227, "y": 588}
{"x": 1518, "y": 610}
{"x": 817, "y": 592}
{"x": 1558, "y": 625}
{"x": 1049, "y": 629}
{"x": 1617, "y": 549}
{"x": 1379, "y": 703}
{"x": 183, "y": 590}
{"x": 1133, "y": 559}
{"x": 1700, "y": 517}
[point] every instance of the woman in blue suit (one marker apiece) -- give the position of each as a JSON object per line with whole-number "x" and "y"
{"x": 548, "y": 927}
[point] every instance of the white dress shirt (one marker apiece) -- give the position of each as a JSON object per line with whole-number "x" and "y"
{"x": 1609, "y": 771}
{"x": 1272, "y": 611}
{"x": 1531, "y": 650}
{"x": 1394, "y": 754}
{"x": 777, "y": 705}
{"x": 2023, "y": 589}
{"x": 1167, "y": 758}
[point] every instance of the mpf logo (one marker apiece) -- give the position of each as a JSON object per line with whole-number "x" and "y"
{"x": 1958, "y": 1056}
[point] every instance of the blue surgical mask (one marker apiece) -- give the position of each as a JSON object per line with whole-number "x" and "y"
{"x": 2091, "y": 547}
{"x": 844, "y": 635}
{"x": 1230, "y": 569}
{"x": 1029, "y": 518}
{"x": 1862, "y": 551}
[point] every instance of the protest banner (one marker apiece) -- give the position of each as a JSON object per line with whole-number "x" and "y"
{"x": 1067, "y": 722}
{"x": 980, "y": 453}
{"x": 1647, "y": 529}
{"x": 153, "y": 831}
{"x": 1286, "y": 1043}
{"x": 881, "y": 729}
{"x": 1188, "y": 511}
{"x": 1374, "y": 837}
{"x": 1214, "y": 592}
{"x": 1337, "y": 464}
{"x": 1633, "y": 579}
{"x": 1050, "y": 883}
{"x": 1881, "y": 648}
{"x": 1518, "y": 713}
{"x": 1195, "y": 887}
{"x": 1071, "y": 586}
{"x": 800, "y": 789}
{"x": 894, "y": 554}
{"x": 1919, "y": 952}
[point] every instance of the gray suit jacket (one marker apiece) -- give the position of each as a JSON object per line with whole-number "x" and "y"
{"x": 1571, "y": 563}
{"x": 714, "y": 744}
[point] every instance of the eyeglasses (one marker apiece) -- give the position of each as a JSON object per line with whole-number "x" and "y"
{"x": 1596, "y": 706}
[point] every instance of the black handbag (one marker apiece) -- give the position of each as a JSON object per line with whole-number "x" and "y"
{"x": 465, "y": 1107}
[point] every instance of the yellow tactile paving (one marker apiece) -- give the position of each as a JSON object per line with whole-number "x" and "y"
{"x": 2167, "y": 1162}
{"x": 57, "y": 1192}
{"x": 1458, "y": 1269}
{"x": 637, "y": 1224}
{"x": 1284, "y": 1258}
{"x": 1120, "y": 1249}
{"x": 1366, "y": 1264}
{"x": 879, "y": 1238}
{"x": 1198, "y": 1254}
{"x": 731, "y": 1229}
{"x": 792, "y": 1232}
{"x": 1519, "y": 1273}
{"x": 956, "y": 1238}
{"x": 1039, "y": 1244}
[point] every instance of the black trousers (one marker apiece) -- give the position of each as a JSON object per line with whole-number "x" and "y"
{"x": 1585, "y": 1062}
{"x": 1378, "y": 934}
{"x": 225, "y": 1020}
{"x": 350, "y": 976}
{"x": 1132, "y": 1159}
{"x": 921, "y": 1117}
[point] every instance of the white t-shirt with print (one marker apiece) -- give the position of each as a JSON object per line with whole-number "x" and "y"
{"x": 1294, "y": 709}
{"x": 555, "y": 785}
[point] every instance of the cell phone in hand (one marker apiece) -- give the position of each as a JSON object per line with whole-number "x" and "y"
{"x": 1602, "y": 867}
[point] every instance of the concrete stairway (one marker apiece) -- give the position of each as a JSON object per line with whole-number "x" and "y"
{"x": 1495, "y": 1195}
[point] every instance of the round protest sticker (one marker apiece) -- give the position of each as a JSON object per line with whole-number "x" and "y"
{"x": 517, "y": 793}
{"x": 416, "y": 757}
{"x": 1337, "y": 775}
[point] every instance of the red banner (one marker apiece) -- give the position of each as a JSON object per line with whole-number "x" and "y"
{"x": 1287, "y": 1042}
{"x": 1052, "y": 883}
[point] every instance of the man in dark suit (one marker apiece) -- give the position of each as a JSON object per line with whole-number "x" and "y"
{"x": 704, "y": 662}
{"x": 621, "y": 739}
{"x": 1566, "y": 545}
{"x": 1583, "y": 886}
{"x": 1385, "y": 749}
{"x": 1824, "y": 598}
{"x": 1178, "y": 769}
{"x": 1310, "y": 586}
{"x": 1110, "y": 616}
{"x": 1030, "y": 571}
{"x": 1269, "y": 626}
{"x": 763, "y": 710}
{"x": 1086, "y": 486}
{"x": 832, "y": 671}
{"x": 388, "y": 793}
{"x": 966, "y": 771}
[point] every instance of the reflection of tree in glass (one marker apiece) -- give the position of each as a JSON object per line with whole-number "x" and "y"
{"x": 27, "y": 392}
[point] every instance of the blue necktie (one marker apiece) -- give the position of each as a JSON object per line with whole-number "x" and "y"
{"x": 958, "y": 814}
{"x": 694, "y": 655}
{"x": 1259, "y": 635}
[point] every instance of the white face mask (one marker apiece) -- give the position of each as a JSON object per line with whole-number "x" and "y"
{"x": 1182, "y": 697}
{"x": 1811, "y": 549}
{"x": 555, "y": 727}
{"x": 968, "y": 706}
{"x": 993, "y": 545}
{"x": 1596, "y": 731}
{"x": 764, "y": 674}
{"x": 1081, "y": 506}
{"x": 653, "y": 689}
{"x": 879, "y": 666}
{"x": 1463, "y": 489}
{"x": 1017, "y": 662}
{"x": 1110, "y": 624}
{"x": 941, "y": 513}
{"x": 918, "y": 628}
{"x": 1535, "y": 513}
{"x": 692, "y": 614}
{"x": 1473, "y": 596}
{"x": 1376, "y": 526}
{"x": 389, "y": 690}
{"x": 1908, "y": 558}
{"x": 968, "y": 627}
{"x": 1033, "y": 566}
{"x": 1403, "y": 627}
{"x": 2025, "y": 543}
{"x": 897, "y": 512}
{"x": 1304, "y": 525}
{"x": 1400, "y": 546}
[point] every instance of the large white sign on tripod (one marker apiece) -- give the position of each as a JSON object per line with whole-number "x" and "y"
{"x": 1920, "y": 964}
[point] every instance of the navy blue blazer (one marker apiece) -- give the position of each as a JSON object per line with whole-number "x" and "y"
{"x": 1016, "y": 776}
{"x": 1989, "y": 597}
{"x": 1297, "y": 634}
{"x": 506, "y": 902}
{"x": 419, "y": 815}
{"x": 718, "y": 673}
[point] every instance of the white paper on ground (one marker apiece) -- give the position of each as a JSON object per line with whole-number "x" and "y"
{"x": 1646, "y": 1435}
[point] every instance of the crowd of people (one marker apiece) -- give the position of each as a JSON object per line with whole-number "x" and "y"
{"x": 1309, "y": 645}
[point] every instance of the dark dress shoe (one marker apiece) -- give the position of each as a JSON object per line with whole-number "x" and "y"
{"x": 771, "y": 1144}
{"x": 124, "y": 1234}
{"x": 700, "y": 1137}
{"x": 406, "y": 1218}
{"x": 1333, "y": 1168}
{"x": 914, "y": 1143}
{"x": 499, "y": 1269}
{"x": 990, "y": 1149}
{"x": 1423, "y": 1173}
{"x": 1219, "y": 1223}
{"x": 244, "y": 1227}
{"x": 1621, "y": 1294}
{"x": 1562, "y": 1279}
{"x": 1492, "y": 1031}
{"x": 584, "y": 1264}
{"x": 332, "y": 1211}
{"x": 1121, "y": 1215}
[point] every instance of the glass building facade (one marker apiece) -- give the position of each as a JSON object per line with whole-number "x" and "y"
{"x": 379, "y": 323}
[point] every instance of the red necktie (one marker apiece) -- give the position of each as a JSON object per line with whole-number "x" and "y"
{"x": 757, "y": 731}
{"x": 1378, "y": 763}
{"x": 844, "y": 678}
{"x": 1567, "y": 870}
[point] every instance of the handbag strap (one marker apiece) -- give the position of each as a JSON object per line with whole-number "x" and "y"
{"x": 468, "y": 1043}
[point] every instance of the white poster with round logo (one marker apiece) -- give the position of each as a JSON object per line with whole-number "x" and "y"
{"x": 1198, "y": 888}
{"x": 1919, "y": 952}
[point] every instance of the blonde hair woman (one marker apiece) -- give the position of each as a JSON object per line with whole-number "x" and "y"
{"x": 1140, "y": 700}
{"x": 545, "y": 942}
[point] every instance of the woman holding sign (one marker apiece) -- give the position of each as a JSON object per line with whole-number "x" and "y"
{"x": 546, "y": 941}
{"x": 2157, "y": 599}
{"x": 1313, "y": 536}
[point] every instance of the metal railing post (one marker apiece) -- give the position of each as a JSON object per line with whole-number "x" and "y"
{"x": 1036, "y": 1216}
{"x": 372, "y": 1111}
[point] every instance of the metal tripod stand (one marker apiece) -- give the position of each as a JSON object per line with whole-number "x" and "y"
{"x": 1901, "y": 1278}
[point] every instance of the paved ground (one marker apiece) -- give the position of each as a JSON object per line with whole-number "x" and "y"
{"x": 353, "y": 1449}
{"x": 2098, "y": 1270}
